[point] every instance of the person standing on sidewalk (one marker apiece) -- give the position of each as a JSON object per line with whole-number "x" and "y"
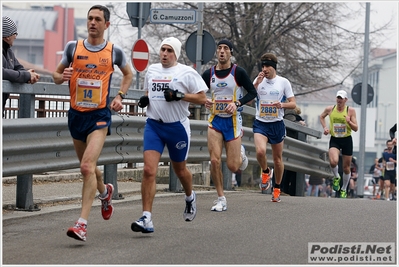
{"x": 170, "y": 88}
{"x": 13, "y": 71}
{"x": 269, "y": 126}
{"x": 226, "y": 82}
{"x": 342, "y": 123}
{"x": 88, "y": 66}
{"x": 390, "y": 171}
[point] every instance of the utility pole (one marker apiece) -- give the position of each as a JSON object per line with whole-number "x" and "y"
{"x": 363, "y": 108}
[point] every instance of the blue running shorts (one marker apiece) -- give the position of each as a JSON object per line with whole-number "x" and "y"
{"x": 229, "y": 127}
{"x": 274, "y": 131}
{"x": 81, "y": 124}
{"x": 175, "y": 135}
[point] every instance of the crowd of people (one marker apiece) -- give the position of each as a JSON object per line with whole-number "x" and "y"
{"x": 169, "y": 88}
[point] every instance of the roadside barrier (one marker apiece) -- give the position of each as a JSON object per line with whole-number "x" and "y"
{"x": 37, "y": 145}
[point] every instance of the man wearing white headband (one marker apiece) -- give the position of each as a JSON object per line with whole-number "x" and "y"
{"x": 170, "y": 88}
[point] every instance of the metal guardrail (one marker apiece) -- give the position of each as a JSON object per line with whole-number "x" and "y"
{"x": 54, "y": 89}
{"x": 36, "y": 145}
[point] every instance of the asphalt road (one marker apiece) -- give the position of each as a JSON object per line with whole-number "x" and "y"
{"x": 253, "y": 230}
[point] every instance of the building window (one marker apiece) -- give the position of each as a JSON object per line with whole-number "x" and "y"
{"x": 32, "y": 58}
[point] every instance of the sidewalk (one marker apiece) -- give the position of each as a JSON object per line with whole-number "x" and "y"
{"x": 62, "y": 191}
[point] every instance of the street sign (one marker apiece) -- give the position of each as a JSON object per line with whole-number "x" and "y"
{"x": 170, "y": 16}
{"x": 357, "y": 93}
{"x": 133, "y": 10}
{"x": 208, "y": 47}
{"x": 140, "y": 55}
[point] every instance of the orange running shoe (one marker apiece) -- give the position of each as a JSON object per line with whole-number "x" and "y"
{"x": 276, "y": 195}
{"x": 266, "y": 180}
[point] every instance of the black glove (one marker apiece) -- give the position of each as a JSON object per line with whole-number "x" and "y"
{"x": 144, "y": 101}
{"x": 171, "y": 95}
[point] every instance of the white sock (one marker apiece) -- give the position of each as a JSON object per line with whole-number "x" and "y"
{"x": 81, "y": 220}
{"x": 147, "y": 214}
{"x": 335, "y": 171}
{"x": 345, "y": 180}
{"x": 190, "y": 197}
{"x": 222, "y": 198}
{"x": 104, "y": 194}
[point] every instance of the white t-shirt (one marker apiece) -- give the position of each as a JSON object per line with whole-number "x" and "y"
{"x": 180, "y": 77}
{"x": 271, "y": 91}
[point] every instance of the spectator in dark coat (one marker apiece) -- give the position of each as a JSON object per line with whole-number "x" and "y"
{"x": 13, "y": 71}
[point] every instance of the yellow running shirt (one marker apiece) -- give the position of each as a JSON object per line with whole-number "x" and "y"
{"x": 338, "y": 125}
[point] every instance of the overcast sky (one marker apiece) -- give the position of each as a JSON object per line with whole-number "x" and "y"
{"x": 380, "y": 13}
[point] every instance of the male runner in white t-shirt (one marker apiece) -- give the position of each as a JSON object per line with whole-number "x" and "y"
{"x": 170, "y": 88}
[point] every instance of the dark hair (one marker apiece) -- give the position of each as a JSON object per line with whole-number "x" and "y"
{"x": 104, "y": 9}
{"x": 269, "y": 56}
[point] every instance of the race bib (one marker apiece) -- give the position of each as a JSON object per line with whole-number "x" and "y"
{"x": 267, "y": 110}
{"x": 390, "y": 166}
{"x": 339, "y": 129}
{"x": 88, "y": 93}
{"x": 158, "y": 86}
{"x": 220, "y": 103}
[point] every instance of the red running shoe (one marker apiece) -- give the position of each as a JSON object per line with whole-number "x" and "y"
{"x": 106, "y": 203}
{"x": 78, "y": 231}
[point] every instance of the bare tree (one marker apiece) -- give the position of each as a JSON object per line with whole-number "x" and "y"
{"x": 314, "y": 49}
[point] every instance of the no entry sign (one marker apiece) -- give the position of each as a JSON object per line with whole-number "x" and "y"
{"x": 140, "y": 55}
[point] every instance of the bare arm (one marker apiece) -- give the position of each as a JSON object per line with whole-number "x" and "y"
{"x": 323, "y": 116}
{"x": 127, "y": 78}
{"x": 259, "y": 79}
{"x": 116, "y": 103}
{"x": 62, "y": 74}
{"x": 290, "y": 104}
{"x": 198, "y": 98}
{"x": 351, "y": 119}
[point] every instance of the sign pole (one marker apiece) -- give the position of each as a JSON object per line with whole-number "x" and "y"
{"x": 139, "y": 37}
{"x": 200, "y": 34}
{"x": 363, "y": 108}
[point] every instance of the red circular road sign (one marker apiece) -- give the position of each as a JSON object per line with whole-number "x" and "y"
{"x": 140, "y": 55}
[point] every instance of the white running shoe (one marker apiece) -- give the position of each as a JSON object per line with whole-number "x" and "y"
{"x": 191, "y": 209}
{"x": 220, "y": 205}
{"x": 244, "y": 163}
{"x": 143, "y": 225}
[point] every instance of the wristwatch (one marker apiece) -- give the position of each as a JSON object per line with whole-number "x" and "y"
{"x": 122, "y": 94}
{"x": 179, "y": 95}
{"x": 237, "y": 104}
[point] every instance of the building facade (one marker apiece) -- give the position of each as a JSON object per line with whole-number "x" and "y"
{"x": 43, "y": 32}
